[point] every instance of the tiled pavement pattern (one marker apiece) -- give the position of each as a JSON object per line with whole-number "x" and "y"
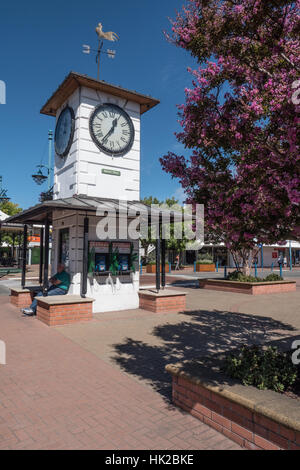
{"x": 142, "y": 343}
{"x": 54, "y": 394}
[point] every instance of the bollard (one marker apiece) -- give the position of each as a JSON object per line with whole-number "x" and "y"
{"x": 217, "y": 267}
{"x": 281, "y": 270}
{"x": 225, "y": 272}
{"x": 272, "y": 267}
{"x": 170, "y": 268}
{"x": 255, "y": 269}
{"x": 195, "y": 269}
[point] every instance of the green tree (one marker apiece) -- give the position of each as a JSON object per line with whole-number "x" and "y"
{"x": 9, "y": 208}
{"x": 174, "y": 244}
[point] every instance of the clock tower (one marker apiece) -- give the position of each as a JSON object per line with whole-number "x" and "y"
{"x": 97, "y": 138}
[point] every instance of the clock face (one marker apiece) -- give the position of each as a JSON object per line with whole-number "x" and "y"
{"x": 112, "y": 129}
{"x": 64, "y": 132}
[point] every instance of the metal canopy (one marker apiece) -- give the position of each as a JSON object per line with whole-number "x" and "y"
{"x": 5, "y": 227}
{"x": 39, "y": 213}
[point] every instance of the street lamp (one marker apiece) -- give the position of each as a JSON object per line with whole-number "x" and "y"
{"x": 39, "y": 178}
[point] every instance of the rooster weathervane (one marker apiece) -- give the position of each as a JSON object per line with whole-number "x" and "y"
{"x": 109, "y": 36}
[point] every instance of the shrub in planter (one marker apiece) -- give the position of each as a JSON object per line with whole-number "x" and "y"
{"x": 262, "y": 368}
{"x": 205, "y": 259}
{"x": 240, "y": 277}
{"x": 273, "y": 277}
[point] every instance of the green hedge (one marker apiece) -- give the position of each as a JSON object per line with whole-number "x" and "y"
{"x": 263, "y": 369}
{"x": 240, "y": 277}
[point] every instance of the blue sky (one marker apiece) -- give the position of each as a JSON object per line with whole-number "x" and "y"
{"x": 40, "y": 43}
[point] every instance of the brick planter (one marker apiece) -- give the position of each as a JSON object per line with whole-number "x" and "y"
{"x": 205, "y": 268}
{"x": 250, "y": 288}
{"x": 20, "y": 298}
{"x": 163, "y": 302}
{"x": 151, "y": 268}
{"x": 64, "y": 309}
{"x": 254, "y": 419}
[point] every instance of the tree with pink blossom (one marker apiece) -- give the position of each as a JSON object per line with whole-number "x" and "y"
{"x": 240, "y": 120}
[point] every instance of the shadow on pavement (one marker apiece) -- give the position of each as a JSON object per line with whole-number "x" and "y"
{"x": 4, "y": 290}
{"x": 207, "y": 333}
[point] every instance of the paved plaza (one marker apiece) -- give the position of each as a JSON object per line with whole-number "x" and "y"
{"x": 102, "y": 385}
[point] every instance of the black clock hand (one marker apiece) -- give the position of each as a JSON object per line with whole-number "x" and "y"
{"x": 115, "y": 121}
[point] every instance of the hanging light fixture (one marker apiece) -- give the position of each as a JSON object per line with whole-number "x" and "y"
{"x": 38, "y": 177}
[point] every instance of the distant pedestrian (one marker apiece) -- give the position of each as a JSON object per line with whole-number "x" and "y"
{"x": 280, "y": 260}
{"x": 177, "y": 263}
{"x": 285, "y": 261}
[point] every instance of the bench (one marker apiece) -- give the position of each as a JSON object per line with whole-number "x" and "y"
{"x": 22, "y": 298}
{"x": 58, "y": 310}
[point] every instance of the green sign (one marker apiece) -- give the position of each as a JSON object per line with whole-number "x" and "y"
{"x": 111, "y": 172}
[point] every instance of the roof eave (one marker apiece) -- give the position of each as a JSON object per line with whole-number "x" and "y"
{"x": 75, "y": 80}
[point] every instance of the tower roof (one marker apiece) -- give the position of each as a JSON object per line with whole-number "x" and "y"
{"x": 75, "y": 80}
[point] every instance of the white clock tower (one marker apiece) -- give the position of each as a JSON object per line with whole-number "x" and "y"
{"x": 97, "y": 138}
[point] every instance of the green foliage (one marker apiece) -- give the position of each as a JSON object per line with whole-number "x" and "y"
{"x": 273, "y": 277}
{"x": 240, "y": 277}
{"x": 133, "y": 258}
{"x": 262, "y": 368}
{"x": 114, "y": 261}
{"x": 174, "y": 243}
{"x": 10, "y": 208}
{"x": 205, "y": 259}
{"x": 151, "y": 263}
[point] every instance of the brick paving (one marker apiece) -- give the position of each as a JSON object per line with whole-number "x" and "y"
{"x": 102, "y": 385}
{"x": 55, "y": 394}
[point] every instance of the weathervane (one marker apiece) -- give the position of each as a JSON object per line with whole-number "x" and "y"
{"x": 110, "y": 36}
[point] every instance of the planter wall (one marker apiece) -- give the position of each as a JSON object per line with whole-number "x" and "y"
{"x": 254, "y": 419}
{"x": 151, "y": 268}
{"x": 163, "y": 302}
{"x": 200, "y": 268}
{"x": 250, "y": 288}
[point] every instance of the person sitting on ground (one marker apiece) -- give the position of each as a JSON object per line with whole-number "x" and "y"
{"x": 60, "y": 286}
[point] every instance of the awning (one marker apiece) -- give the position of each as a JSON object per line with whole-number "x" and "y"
{"x": 89, "y": 205}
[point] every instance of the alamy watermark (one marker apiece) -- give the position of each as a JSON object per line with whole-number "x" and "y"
{"x": 2, "y": 353}
{"x": 296, "y": 353}
{"x": 137, "y": 221}
{"x": 2, "y": 92}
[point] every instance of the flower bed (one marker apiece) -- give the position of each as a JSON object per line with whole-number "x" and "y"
{"x": 250, "y": 288}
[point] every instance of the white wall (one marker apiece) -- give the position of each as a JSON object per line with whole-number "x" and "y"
{"x": 80, "y": 172}
{"x": 119, "y": 296}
